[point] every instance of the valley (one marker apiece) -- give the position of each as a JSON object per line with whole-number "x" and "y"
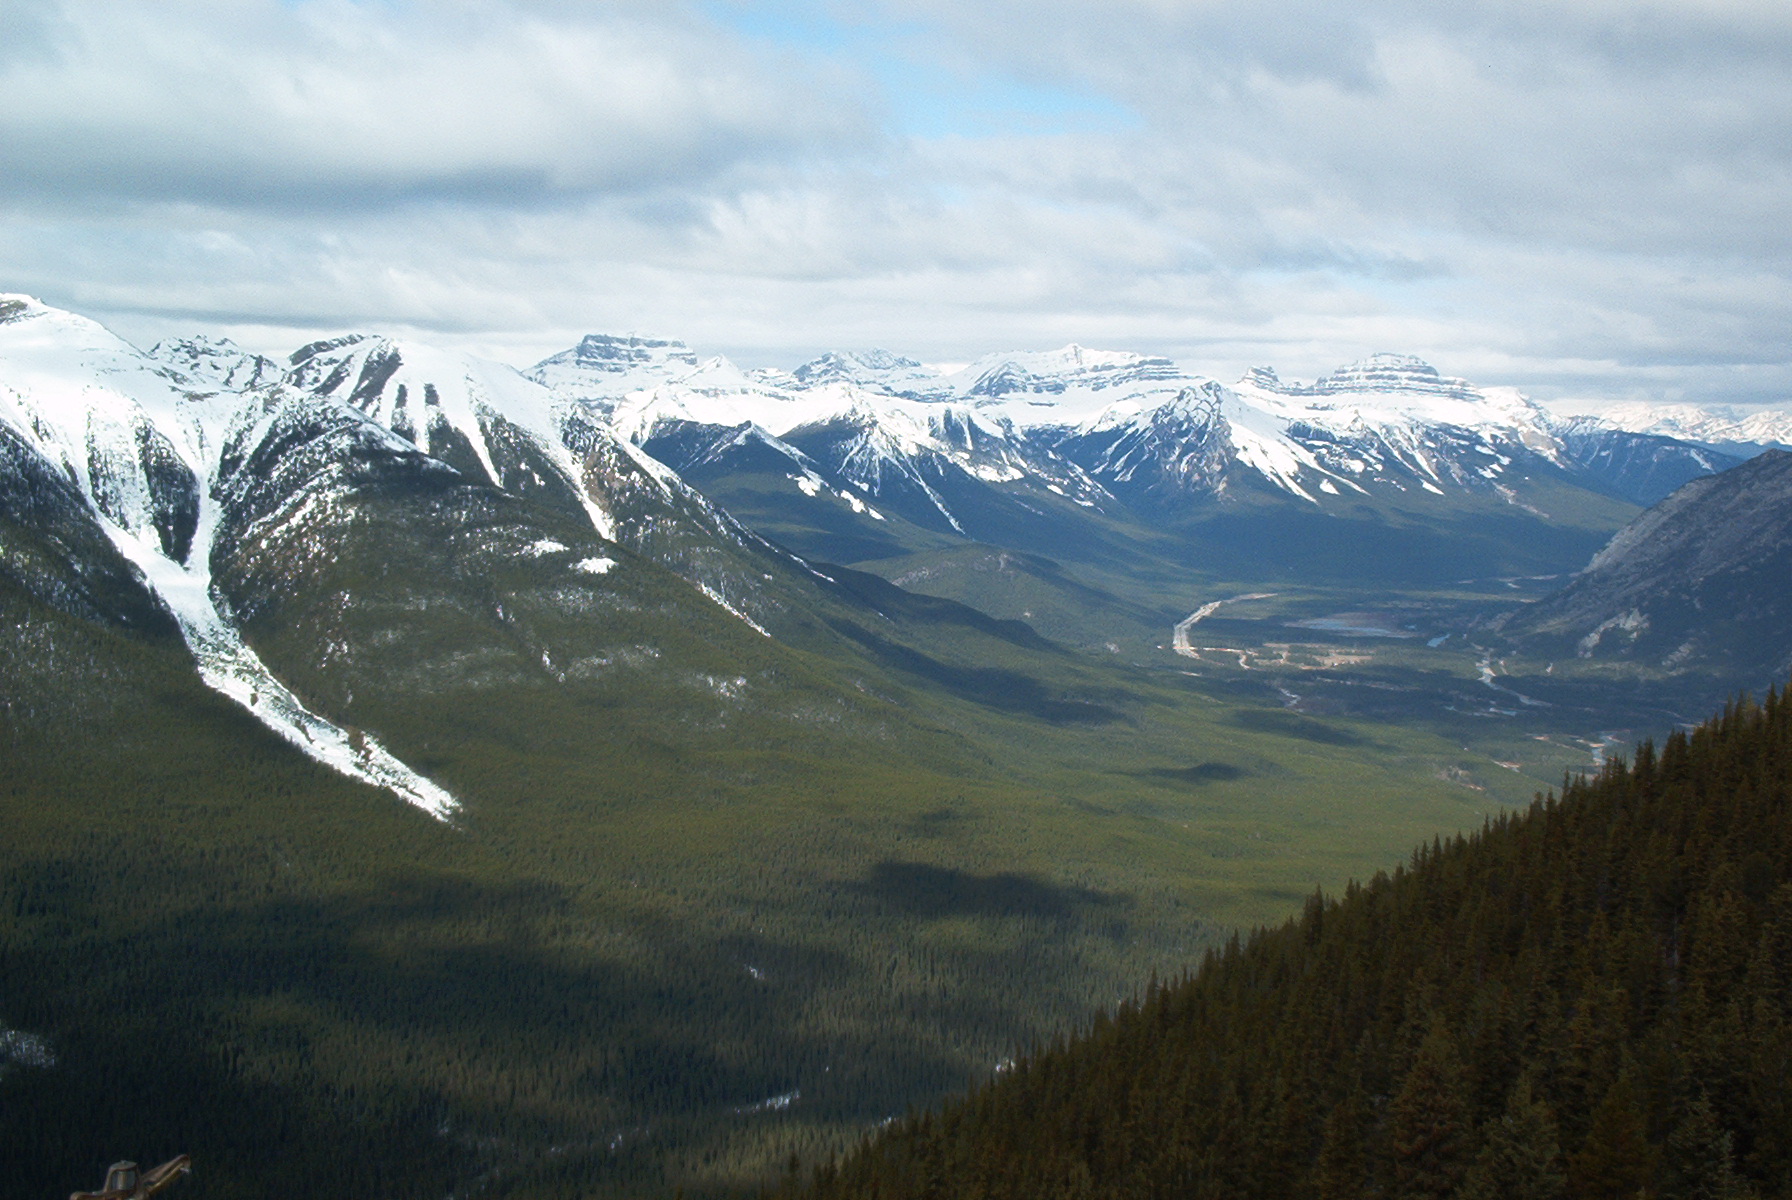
{"x": 631, "y": 772}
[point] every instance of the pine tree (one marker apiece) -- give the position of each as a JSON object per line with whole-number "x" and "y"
{"x": 1342, "y": 1170}
{"x": 1701, "y": 1160}
{"x": 1521, "y": 1158}
{"x": 1617, "y": 1160}
{"x": 1429, "y": 1121}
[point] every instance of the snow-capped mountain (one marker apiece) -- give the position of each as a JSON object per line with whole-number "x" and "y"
{"x": 244, "y": 491}
{"x": 871, "y": 435}
{"x": 604, "y": 365}
{"x": 482, "y": 418}
{"x": 1388, "y": 426}
{"x": 876, "y": 371}
{"x": 498, "y": 427}
{"x": 152, "y": 453}
{"x": 385, "y": 541}
{"x": 995, "y": 450}
{"x": 292, "y": 524}
{"x": 1072, "y": 373}
{"x": 1728, "y": 428}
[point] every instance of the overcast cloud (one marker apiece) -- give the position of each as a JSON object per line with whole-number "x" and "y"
{"x": 1591, "y": 200}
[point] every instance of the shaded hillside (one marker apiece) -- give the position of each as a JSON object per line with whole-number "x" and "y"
{"x": 1592, "y": 998}
{"x": 1696, "y": 583}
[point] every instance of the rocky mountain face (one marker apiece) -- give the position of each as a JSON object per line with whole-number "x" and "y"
{"x": 1699, "y": 580}
{"x": 1639, "y": 467}
{"x": 1018, "y": 449}
{"x": 380, "y": 540}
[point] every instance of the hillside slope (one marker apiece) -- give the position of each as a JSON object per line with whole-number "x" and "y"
{"x": 1697, "y": 582}
{"x": 1592, "y": 999}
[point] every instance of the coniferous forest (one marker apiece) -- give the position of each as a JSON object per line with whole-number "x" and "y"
{"x": 1590, "y": 999}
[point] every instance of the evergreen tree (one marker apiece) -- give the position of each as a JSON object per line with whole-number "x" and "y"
{"x": 1701, "y": 1159}
{"x": 1342, "y": 1170}
{"x": 1617, "y": 1161}
{"x": 1521, "y": 1158}
{"x": 1600, "y": 955}
{"x": 1429, "y": 1121}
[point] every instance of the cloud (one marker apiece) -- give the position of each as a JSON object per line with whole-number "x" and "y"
{"x": 332, "y": 104}
{"x": 1581, "y": 198}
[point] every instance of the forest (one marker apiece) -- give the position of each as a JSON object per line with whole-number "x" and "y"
{"x": 1590, "y": 998}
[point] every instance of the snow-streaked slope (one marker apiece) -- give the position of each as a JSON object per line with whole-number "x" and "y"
{"x": 452, "y": 407}
{"x": 500, "y": 427}
{"x": 144, "y": 443}
{"x": 1643, "y": 468}
{"x": 218, "y": 363}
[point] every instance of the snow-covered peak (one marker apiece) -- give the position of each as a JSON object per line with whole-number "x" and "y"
{"x": 1392, "y": 373}
{"x": 216, "y": 363}
{"x": 103, "y": 411}
{"x": 620, "y": 355}
{"x": 877, "y": 371}
{"x": 718, "y": 374}
{"x": 1175, "y": 399}
{"x": 1073, "y": 368}
{"x": 446, "y": 403}
{"x": 374, "y": 374}
{"x": 606, "y": 365}
{"x": 1388, "y": 391}
{"x": 1379, "y": 374}
{"x": 1711, "y": 424}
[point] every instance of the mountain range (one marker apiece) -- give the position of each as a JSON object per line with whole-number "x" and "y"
{"x": 241, "y": 490}
{"x": 1009, "y": 448}
{"x": 747, "y": 701}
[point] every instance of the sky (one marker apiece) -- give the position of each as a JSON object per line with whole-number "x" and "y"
{"x": 1587, "y": 199}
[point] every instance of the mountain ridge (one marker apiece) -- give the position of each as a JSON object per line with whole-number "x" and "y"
{"x": 1696, "y": 580}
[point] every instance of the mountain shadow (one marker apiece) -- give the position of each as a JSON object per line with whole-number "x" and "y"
{"x": 933, "y": 893}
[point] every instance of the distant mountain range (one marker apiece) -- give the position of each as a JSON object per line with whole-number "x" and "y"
{"x": 1097, "y": 429}
{"x": 1729, "y": 428}
{"x": 265, "y": 507}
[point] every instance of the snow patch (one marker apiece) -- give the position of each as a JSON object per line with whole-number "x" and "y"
{"x": 771, "y": 1103}
{"x": 863, "y": 509}
{"x": 717, "y": 597}
{"x": 21, "y": 1049}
